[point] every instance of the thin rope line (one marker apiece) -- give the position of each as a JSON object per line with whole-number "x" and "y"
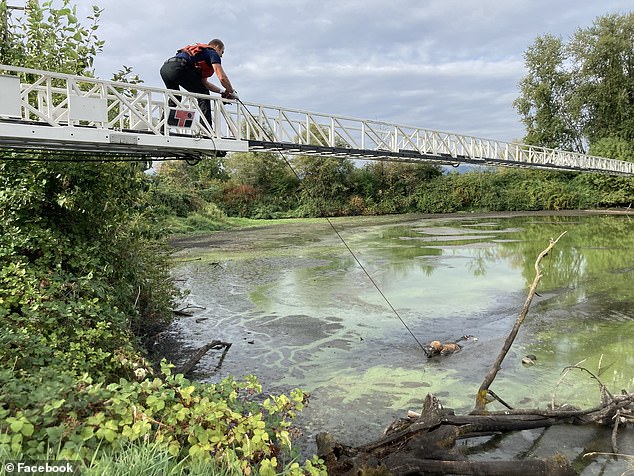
{"x": 376, "y": 286}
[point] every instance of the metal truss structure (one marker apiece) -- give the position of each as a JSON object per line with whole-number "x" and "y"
{"x": 42, "y": 110}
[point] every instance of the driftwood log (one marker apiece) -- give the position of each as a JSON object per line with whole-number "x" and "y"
{"x": 425, "y": 443}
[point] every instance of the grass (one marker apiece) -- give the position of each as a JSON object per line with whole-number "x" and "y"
{"x": 199, "y": 223}
{"x": 150, "y": 460}
{"x": 140, "y": 460}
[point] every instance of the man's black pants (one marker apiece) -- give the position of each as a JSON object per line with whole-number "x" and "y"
{"x": 177, "y": 72}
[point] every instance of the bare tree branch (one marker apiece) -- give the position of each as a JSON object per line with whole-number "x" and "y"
{"x": 481, "y": 399}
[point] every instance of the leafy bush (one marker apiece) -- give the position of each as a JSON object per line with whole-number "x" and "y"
{"x": 79, "y": 418}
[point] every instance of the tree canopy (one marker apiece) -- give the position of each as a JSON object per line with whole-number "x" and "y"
{"x": 50, "y": 38}
{"x": 579, "y": 94}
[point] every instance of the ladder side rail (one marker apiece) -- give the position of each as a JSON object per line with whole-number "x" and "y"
{"x": 318, "y": 130}
{"x": 291, "y": 128}
{"x": 253, "y": 128}
{"x": 226, "y": 123}
{"x": 123, "y": 110}
{"x": 37, "y": 111}
{"x": 46, "y": 97}
{"x": 351, "y": 135}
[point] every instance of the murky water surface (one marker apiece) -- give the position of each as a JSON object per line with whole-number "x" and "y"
{"x": 301, "y": 312}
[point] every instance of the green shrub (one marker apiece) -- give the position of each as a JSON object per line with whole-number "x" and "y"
{"x": 81, "y": 418}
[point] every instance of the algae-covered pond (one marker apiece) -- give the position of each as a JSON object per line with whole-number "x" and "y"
{"x": 301, "y": 312}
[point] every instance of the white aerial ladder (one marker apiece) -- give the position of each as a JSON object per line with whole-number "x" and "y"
{"x": 43, "y": 110}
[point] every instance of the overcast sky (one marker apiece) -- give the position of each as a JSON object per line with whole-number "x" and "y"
{"x": 449, "y": 65}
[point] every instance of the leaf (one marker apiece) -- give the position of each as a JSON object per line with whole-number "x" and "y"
{"x": 27, "y": 429}
{"x": 16, "y": 425}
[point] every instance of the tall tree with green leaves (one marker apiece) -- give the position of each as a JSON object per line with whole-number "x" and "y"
{"x": 547, "y": 97}
{"x": 577, "y": 95}
{"x": 603, "y": 56}
{"x": 49, "y": 37}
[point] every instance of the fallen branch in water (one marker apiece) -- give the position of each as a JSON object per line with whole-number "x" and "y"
{"x": 481, "y": 396}
{"x": 215, "y": 344}
{"x": 184, "y": 311}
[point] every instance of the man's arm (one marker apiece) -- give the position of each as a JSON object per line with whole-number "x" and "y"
{"x": 211, "y": 86}
{"x": 222, "y": 77}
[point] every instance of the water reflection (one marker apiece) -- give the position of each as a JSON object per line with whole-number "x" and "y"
{"x": 304, "y": 314}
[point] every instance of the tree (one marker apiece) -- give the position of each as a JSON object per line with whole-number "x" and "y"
{"x": 325, "y": 180}
{"x": 49, "y": 38}
{"x": 268, "y": 172}
{"x": 581, "y": 92}
{"x": 603, "y": 56}
{"x": 545, "y": 103}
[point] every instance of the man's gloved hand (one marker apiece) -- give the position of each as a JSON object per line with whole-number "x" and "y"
{"x": 226, "y": 95}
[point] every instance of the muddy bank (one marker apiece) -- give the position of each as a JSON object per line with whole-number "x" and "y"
{"x": 294, "y": 231}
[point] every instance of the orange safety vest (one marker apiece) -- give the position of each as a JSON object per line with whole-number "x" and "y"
{"x": 195, "y": 49}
